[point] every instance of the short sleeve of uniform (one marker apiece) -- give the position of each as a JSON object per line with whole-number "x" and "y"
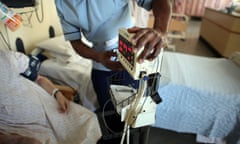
{"x": 71, "y": 32}
{"x": 146, "y": 4}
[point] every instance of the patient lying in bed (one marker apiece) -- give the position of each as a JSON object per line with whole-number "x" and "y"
{"x": 28, "y": 109}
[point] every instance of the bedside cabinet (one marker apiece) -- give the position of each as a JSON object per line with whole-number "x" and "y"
{"x": 221, "y": 31}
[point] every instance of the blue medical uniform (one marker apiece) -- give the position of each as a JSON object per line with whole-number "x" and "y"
{"x": 99, "y": 21}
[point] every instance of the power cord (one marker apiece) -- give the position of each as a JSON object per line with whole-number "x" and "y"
{"x": 40, "y": 20}
{"x": 5, "y": 40}
{"x": 129, "y": 119}
{"x": 103, "y": 116}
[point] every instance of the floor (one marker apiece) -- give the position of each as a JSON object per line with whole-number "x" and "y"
{"x": 191, "y": 45}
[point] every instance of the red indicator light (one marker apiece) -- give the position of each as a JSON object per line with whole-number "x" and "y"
{"x": 120, "y": 49}
{"x": 125, "y": 46}
{"x": 120, "y": 42}
{"x": 129, "y": 49}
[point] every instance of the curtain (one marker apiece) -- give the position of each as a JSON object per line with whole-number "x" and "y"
{"x": 197, "y": 7}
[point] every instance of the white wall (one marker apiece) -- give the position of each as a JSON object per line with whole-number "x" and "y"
{"x": 33, "y": 31}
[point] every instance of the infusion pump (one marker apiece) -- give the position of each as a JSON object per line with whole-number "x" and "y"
{"x": 129, "y": 59}
{"x": 140, "y": 110}
{"x": 143, "y": 107}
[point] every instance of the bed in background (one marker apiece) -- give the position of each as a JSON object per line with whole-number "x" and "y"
{"x": 200, "y": 95}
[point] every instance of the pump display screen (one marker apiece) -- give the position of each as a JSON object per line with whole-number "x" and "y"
{"x": 125, "y": 48}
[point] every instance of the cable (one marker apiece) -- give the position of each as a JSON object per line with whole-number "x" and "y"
{"x": 133, "y": 112}
{"x": 5, "y": 41}
{"x": 128, "y": 134}
{"x": 145, "y": 99}
{"x": 126, "y": 127}
{"x": 133, "y": 106}
{"x": 40, "y": 20}
{"x": 159, "y": 63}
{"x": 104, "y": 121}
{"x": 161, "y": 60}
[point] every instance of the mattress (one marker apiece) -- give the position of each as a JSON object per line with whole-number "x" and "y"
{"x": 200, "y": 95}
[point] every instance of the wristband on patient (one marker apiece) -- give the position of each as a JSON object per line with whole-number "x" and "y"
{"x": 54, "y": 92}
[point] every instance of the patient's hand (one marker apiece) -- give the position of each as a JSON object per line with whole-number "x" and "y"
{"x": 63, "y": 102}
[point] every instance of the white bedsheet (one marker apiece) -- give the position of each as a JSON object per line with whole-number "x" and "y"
{"x": 27, "y": 109}
{"x": 68, "y": 68}
{"x": 75, "y": 74}
{"x": 200, "y": 95}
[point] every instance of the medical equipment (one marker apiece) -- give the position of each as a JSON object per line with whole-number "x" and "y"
{"x": 9, "y": 18}
{"x": 128, "y": 57}
{"x": 137, "y": 107}
{"x": 31, "y": 72}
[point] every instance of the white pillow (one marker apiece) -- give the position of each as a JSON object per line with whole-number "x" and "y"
{"x": 59, "y": 48}
{"x": 235, "y": 57}
{"x": 57, "y": 45}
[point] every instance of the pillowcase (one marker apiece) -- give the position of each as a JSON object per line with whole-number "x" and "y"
{"x": 235, "y": 57}
{"x": 59, "y": 48}
{"x": 56, "y": 45}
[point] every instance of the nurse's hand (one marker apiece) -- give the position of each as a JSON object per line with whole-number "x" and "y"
{"x": 152, "y": 41}
{"x": 107, "y": 58}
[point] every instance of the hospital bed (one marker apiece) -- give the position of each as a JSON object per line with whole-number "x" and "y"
{"x": 63, "y": 66}
{"x": 27, "y": 109}
{"x": 200, "y": 95}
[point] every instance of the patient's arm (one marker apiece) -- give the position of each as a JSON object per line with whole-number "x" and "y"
{"x": 49, "y": 87}
{"x": 17, "y": 139}
{"x": 67, "y": 91}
